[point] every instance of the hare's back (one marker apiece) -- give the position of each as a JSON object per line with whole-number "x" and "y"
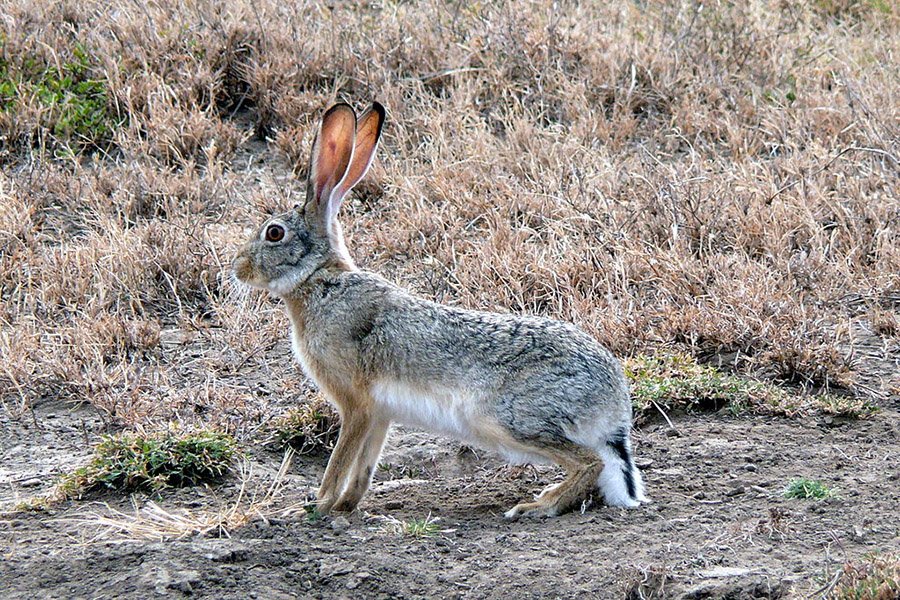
{"x": 448, "y": 369}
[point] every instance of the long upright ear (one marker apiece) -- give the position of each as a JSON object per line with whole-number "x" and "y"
{"x": 368, "y": 132}
{"x": 332, "y": 154}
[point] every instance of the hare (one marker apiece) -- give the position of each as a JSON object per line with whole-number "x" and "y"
{"x": 531, "y": 389}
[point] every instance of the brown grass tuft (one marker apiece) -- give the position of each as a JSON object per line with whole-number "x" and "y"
{"x": 721, "y": 179}
{"x": 311, "y": 427}
{"x": 875, "y": 577}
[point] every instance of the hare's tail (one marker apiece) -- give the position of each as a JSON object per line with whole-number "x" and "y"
{"x": 620, "y": 481}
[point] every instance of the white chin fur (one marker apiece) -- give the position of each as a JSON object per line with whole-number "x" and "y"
{"x": 284, "y": 284}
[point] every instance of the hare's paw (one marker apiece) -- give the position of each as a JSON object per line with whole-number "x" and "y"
{"x": 531, "y": 509}
{"x": 345, "y": 505}
{"x": 325, "y": 504}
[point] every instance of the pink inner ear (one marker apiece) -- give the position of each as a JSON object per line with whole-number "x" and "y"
{"x": 368, "y": 132}
{"x": 334, "y": 150}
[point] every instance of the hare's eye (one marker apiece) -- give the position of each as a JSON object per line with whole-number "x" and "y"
{"x": 274, "y": 233}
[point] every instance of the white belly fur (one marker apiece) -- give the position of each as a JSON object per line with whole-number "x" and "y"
{"x": 454, "y": 413}
{"x": 448, "y": 412}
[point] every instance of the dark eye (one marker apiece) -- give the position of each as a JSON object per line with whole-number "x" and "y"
{"x": 274, "y": 233}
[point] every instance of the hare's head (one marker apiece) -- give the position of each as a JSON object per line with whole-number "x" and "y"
{"x": 290, "y": 247}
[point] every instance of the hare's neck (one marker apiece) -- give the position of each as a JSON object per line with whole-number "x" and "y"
{"x": 298, "y": 313}
{"x": 300, "y": 300}
{"x": 303, "y": 330}
{"x": 296, "y": 307}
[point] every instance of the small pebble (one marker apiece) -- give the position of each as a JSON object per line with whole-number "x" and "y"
{"x": 29, "y": 483}
{"x": 735, "y": 491}
{"x": 340, "y": 524}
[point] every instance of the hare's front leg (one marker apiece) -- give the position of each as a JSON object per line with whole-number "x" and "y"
{"x": 364, "y": 468}
{"x": 354, "y": 427}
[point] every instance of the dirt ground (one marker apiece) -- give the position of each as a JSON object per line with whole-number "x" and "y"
{"x": 718, "y": 526}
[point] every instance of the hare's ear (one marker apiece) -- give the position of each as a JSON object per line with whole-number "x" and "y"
{"x": 332, "y": 154}
{"x": 368, "y": 132}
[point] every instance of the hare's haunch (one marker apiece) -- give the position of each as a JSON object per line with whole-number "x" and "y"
{"x": 531, "y": 389}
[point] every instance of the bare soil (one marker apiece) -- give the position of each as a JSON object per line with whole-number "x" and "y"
{"x": 718, "y": 527}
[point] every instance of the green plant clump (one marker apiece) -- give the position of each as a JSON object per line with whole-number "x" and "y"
{"x": 67, "y": 101}
{"x": 129, "y": 462}
{"x": 806, "y": 489}
{"x": 679, "y": 381}
{"x": 421, "y": 527}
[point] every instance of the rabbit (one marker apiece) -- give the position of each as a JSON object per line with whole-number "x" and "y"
{"x": 532, "y": 389}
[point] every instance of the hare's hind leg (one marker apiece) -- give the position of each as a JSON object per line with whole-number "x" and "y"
{"x": 364, "y": 468}
{"x": 582, "y": 467}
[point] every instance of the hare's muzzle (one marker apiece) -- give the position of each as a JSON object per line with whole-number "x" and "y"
{"x": 243, "y": 269}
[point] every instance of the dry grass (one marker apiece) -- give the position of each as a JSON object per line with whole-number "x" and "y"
{"x": 311, "y": 427}
{"x": 719, "y": 178}
{"x": 875, "y": 577}
{"x": 259, "y": 501}
{"x": 646, "y": 582}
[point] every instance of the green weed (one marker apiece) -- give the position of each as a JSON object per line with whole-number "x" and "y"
{"x": 855, "y": 9}
{"x": 421, "y": 527}
{"x": 806, "y": 489}
{"x": 679, "y": 381}
{"x": 65, "y": 100}
{"x": 418, "y": 528}
{"x": 129, "y": 462}
{"x": 312, "y": 513}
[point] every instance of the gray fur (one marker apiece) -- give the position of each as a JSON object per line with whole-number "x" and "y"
{"x": 545, "y": 374}
{"x": 531, "y": 387}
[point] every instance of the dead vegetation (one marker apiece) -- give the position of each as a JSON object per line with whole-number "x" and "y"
{"x": 646, "y": 583}
{"x": 718, "y": 179}
{"x": 310, "y": 427}
{"x": 875, "y": 577}
{"x": 255, "y": 500}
